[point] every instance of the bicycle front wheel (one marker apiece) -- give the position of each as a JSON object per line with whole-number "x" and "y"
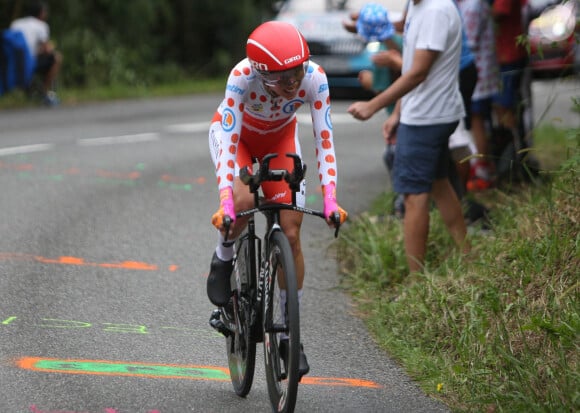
{"x": 241, "y": 347}
{"x": 281, "y": 325}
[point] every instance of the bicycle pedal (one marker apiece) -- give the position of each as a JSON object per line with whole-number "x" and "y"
{"x": 216, "y": 322}
{"x": 215, "y": 315}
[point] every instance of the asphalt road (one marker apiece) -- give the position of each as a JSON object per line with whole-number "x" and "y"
{"x": 104, "y": 252}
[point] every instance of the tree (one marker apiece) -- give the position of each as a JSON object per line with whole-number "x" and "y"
{"x": 146, "y": 41}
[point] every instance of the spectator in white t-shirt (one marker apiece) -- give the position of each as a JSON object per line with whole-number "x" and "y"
{"x": 47, "y": 59}
{"x": 429, "y": 107}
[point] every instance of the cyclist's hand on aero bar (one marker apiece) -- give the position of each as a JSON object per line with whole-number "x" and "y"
{"x": 331, "y": 206}
{"x": 226, "y": 209}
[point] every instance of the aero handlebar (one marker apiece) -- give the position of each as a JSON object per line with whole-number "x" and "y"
{"x": 265, "y": 174}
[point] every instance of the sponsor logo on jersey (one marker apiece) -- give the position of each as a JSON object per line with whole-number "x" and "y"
{"x": 235, "y": 89}
{"x": 292, "y": 106}
{"x": 257, "y": 107}
{"x": 279, "y": 195}
{"x": 327, "y": 117}
{"x": 228, "y": 120}
{"x": 323, "y": 88}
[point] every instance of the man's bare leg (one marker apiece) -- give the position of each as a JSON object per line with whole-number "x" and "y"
{"x": 450, "y": 209}
{"x": 416, "y": 229}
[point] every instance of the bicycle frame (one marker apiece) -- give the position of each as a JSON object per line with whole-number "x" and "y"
{"x": 253, "y": 304}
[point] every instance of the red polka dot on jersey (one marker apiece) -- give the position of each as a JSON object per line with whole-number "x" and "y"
{"x": 231, "y": 102}
{"x": 231, "y": 164}
{"x": 329, "y": 158}
{"x": 230, "y": 177}
{"x": 241, "y": 107}
{"x": 237, "y": 72}
{"x": 219, "y": 179}
{"x": 317, "y": 104}
{"x": 219, "y": 165}
{"x": 235, "y": 138}
{"x": 263, "y": 98}
{"x": 331, "y": 172}
{"x": 325, "y": 134}
{"x": 253, "y": 95}
{"x": 247, "y": 71}
{"x": 302, "y": 93}
{"x": 326, "y": 144}
{"x": 233, "y": 149}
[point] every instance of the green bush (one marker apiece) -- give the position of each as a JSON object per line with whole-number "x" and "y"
{"x": 139, "y": 43}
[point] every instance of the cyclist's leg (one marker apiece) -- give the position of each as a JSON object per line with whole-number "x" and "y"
{"x": 281, "y": 329}
{"x": 290, "y": 221}
{"x": 286, "y": 141}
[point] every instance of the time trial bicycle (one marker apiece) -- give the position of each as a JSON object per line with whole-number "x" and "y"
{"x": 263, "y": 266}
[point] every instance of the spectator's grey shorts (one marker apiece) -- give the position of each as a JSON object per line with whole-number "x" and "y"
{"x": 421, "y": 156}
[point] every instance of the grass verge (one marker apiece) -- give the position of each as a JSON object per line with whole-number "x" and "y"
{"x": 497, "y": 330}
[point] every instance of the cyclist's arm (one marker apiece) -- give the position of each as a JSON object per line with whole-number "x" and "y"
{"x": 322, "y": 126}
{"x": 231, "y": 110}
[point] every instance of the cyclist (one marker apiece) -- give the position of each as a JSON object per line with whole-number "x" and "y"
{"x": 258, "y": 116}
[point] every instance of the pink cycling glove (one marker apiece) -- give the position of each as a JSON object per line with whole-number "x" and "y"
{"x": 226, "y": 208}
{"x": 330, "y": 204}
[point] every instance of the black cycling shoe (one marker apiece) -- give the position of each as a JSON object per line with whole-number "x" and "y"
{"x": 303, "y": 367}
{"x": 218, "y": 281}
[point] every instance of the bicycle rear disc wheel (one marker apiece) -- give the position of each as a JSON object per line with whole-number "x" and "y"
{"x": 241, "y": 348}
{"x": 281, "y": 363}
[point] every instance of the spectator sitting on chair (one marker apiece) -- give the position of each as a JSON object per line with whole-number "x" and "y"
{"x": 47, "y": 59}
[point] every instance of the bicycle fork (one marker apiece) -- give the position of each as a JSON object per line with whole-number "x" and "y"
{"x": 215, "y": 320}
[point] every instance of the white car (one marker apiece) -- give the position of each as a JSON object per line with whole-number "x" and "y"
{"x": 342, "y": 54}
{"x": 553, "y": 36}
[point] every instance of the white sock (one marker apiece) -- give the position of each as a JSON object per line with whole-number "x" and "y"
{"x": 283, "y": 306}
{"x": 225, "y": 250}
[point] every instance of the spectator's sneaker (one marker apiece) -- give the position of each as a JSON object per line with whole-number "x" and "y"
{"x": 480, "y": 176}
{"x": 303, "y": 367}
{"x": 218, "y": 281}
{"x": 478, "y": 184}
{"x": 50, "y": 99}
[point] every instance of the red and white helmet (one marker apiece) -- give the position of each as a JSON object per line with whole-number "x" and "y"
{"x": 276, "y": 46}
